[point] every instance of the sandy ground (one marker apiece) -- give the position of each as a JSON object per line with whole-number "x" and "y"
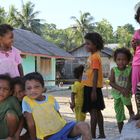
{"x": 111, "y": 130}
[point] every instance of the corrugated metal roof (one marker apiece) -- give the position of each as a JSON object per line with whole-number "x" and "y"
{"x": 31, "y": 43}
{"x": 105, "y": 50}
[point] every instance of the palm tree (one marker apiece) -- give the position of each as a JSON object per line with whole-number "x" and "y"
{"x": 83, "y": 25}
{"x": 26, "y": 18}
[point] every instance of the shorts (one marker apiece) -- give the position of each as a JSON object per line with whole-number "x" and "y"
{"x": 88, "y": 105}
{"x": 119, "y": 107}
{"x": 63, "y": 134}
{"x": 3, "y": 125}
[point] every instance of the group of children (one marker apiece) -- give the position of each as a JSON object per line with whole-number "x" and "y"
{"x": 123, "y": 78}
{"x": 24, "y": 104}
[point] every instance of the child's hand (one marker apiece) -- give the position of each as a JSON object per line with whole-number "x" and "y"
{"x": 72, "y": 105}
{"x": 93, "y": 95}
{"x": 125, "y": 92}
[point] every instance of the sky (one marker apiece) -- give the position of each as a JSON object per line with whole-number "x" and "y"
{"x": 59, "y": 12}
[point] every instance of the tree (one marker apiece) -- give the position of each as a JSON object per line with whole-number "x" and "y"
{"x": 106, "y": 30}
{"x": 3, "y": 15}
{"x": 83, "y": 25}
{"x": 129, "y": 28}
{"x": 26, "y": 18}
{"x": 123, "y": 36}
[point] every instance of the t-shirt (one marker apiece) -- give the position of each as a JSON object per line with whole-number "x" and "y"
{"x": 77, "y": 89}
{"x": 27, "y": 108}
{"x": 11, "y": 103}
{"x": 121, "y": 79}
{"x": 46, "y": 117}
{"x": 136, "y": 58}
{"x": 93, "y": 62}
{"x": 9, "y": 62}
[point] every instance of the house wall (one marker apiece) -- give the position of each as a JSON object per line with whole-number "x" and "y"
{"x": 46, "y": 67}
{"x": 28, "y": 63}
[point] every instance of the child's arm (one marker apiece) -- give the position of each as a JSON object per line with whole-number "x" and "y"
{"x": 95, "y": 79}
{"x": 72, "y": 104}
{"x": 20, "y": 127}
{"x": 20, "y": 69}
{"x": 115, "y": 86}
{"x": 31, "y": 125}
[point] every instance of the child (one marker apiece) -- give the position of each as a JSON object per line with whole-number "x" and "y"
{"x": 10, "y": 59}
{"x": 10, "y": 111}
{"x": 18, "y": 88}
{"x": 93, "y": 81}
{"x": 120, "y": 80}
{"x": 77, "y": 94}
{"x": 42, "y": 114}
{"x": 136, "y": 46}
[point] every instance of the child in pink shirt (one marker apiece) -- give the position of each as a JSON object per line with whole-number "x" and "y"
{"x": 10, "y": 59}
{"x": 136, "y": 58}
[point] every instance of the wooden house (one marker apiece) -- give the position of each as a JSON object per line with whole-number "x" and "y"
{"x": 81, "y": 55}
{"x": 38, "y": 54}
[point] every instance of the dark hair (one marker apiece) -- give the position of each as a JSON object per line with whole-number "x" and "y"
{"x": 78, "y": 71}
{"x": 34, "y": 76}
{"x": 7, "y": 78}
{"x": 96, "y": 39}
{"x": 137, "y": 15}
{"x": 18, "y": 81}
{"x": 4, "y": 28}
{"x": 123, "y": 51}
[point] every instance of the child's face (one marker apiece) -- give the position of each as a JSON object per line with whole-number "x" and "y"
{"x": 4, "y": 90}
{"x": 7, "y": 39}
{"x": 90, "y": 47}
{"x": 121, "y": 60}
{"x": 19, "y": 92}
{"x": 33, "y": 89}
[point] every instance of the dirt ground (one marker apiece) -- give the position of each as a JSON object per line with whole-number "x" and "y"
{"x": 111, "y": 130}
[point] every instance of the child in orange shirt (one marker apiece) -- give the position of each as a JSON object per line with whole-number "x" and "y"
{"x": 93, "y": 82}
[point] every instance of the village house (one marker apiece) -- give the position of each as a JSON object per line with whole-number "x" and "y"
{"x": 81, "y": 55}
{"x": 38, "y": 54}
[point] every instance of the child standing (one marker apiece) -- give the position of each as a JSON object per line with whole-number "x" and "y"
{"x": 93, "y": 82}
{"x": 77, "y": 94}
{"x": 42, "y": 114}
{"x": 136, "y": 58}
{"x": 120, "y": 80}
{"x": 10, "y": 59}
{"x": 10, "y": 111}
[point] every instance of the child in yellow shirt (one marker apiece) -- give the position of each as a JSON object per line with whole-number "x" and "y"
{"x": 77, "y": 94}
{"x": 42, "y": 114}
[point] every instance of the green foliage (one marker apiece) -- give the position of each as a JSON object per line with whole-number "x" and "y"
{"x": 123, "y": 36}
{"x": 106, "y": 30}
{"x": 26, "y": 18}
{"x": 2, "y": 15}
{"x": 82, "y": 25}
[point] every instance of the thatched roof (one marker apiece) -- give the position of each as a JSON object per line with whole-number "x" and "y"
{"x": 32, "y": 44}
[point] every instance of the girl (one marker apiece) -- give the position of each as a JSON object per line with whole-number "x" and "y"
{"x": 77, "y": 94}
{"x": 120, "y": 80}
{"x": 10, "y": 60}
{"x": 136, "y": 46}
{"x": 42, "y": 114}
{"x": 10, "y": 112}
{"x": 92, "y": 79}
